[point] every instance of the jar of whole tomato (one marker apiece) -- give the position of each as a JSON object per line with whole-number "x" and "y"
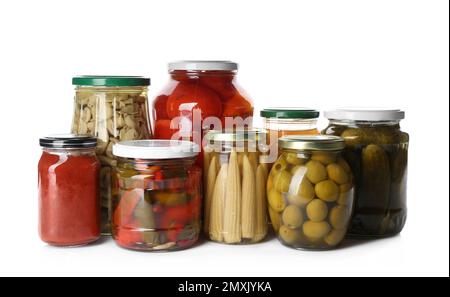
{"x": 200, "y": 95}
{"x": 291, "y": 121}
{"x": 377, "y": 151}
{"x": 156, "y": 195}
{"x": 113, "y": 109}
{"x": 69, "y": 204}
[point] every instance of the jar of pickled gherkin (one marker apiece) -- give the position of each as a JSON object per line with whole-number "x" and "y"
{"x": 291, "y": 121}
{"x": 310, "y": 192}
{"x": 156, "y": 195}
{"x": 112, "y": 108}
{"x": 235, "y": 192}
{"x": 377, "y": 151}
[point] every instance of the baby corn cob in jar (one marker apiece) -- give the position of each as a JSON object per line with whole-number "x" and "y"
{"x": 236, "y": 174}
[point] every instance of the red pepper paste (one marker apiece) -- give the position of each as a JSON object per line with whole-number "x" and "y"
{"x": 69, "y": 203}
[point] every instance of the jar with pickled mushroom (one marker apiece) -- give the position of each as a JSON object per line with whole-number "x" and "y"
{"x": 310, "y": 192}
{"x": 156, "y": 195}
{"x": 235, "y": 208}
{"x": 201, "y": 95}
{"x": 112, "y": 108}
{"x": 291, "y": 121}
{"x": 377, "y": 151}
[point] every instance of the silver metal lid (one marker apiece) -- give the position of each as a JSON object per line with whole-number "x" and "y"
{"x": 312, "y": 142}
{"x": 203, "y": 65}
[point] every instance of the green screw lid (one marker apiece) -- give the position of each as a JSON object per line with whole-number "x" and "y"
{"x": 290, "y": 113}
{"x": 110, "y": 81}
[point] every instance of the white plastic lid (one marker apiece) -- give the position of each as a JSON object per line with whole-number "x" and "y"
{"x": 365, "y": 114}
{"x": 203, "y": 65}
{"x": 155, "y": 149}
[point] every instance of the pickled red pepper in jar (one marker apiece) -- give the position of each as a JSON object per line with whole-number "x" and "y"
{"x": 69, "y": 203}
{"x": 206, "y": 88}
{"x": 156, "y": 195}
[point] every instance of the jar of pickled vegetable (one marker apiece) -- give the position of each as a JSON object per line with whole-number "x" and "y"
{"x": 69, "y": 204}
{"x": 200, "y": 95}
{"x": 377, "y": 151}
{"x": 157, "y": 195}
{"x": 310, "y": 192}
{"x": 112, "y": 108}
{"x": 291, "y": 121}
{"x": 235, "y": 192}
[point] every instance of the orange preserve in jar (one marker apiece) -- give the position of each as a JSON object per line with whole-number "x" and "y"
{"x": 291, "y": 121}
{"x": 200, "y": 96}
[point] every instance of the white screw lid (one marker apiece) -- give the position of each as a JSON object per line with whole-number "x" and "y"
{"x": 155, "y": 149}
{"x": 365, "y": 114}
{"x": 203, "y": 65}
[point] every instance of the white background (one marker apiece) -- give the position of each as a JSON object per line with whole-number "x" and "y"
{"x": 322, "y": 54}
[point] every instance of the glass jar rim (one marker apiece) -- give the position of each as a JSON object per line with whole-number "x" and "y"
{"x": 236, "y": 136}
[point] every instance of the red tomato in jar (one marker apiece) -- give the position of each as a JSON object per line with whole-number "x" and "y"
{"x": 222, "y": 85}
{"x": 188, "y": 97}
{"x": 160, "y": 107}
{"x": 163, "y": 130}
{"x": 237, "y": 106}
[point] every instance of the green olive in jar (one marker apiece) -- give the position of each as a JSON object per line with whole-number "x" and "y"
{"x": 324, "y": 158}
{"x": 275, "y": 219}
{"x": 292, "y": 159}
{"x": 327, "y": 190}
{"x": 339, "y": 217}
{"x": 317, "y": 210}
{"x": 276, "y": 201}
{"x": 345, "y": 198}
{"x": 304, "y": 195}
{"x": 341, "y": 162}
{"x": 316, "y": 230}
{"x": 288, "y": 235}
{"x": 292, "y": 217}
{"x": 335, "y": 237}
{"x": 279, "y": 165}
{"x": 316, "y": 172}
{"x": 337, "y": 173}
{"x": 282, "y": 180}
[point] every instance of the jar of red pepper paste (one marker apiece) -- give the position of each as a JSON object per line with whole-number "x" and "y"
{"x": 69, "y": 204}
{"x": 156, "y": 195}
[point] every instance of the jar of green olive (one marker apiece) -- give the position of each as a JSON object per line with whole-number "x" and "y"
{"x": 377, "y": 151}
{"x": 310, "y": 192}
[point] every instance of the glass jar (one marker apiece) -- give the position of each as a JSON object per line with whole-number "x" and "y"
{"x": 310, "y": 192}
{"x": 112, "y": 108}
{"x": 69, "y": 204}
{"x": 200, "y": 95}
{"x": 157, "y": 195}
{"x": 235, "y": 192}
{"x": 377, "y": 151}
{"x": 291, "y": 121}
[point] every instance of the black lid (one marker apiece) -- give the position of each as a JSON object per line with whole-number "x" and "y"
{"x": 68, "y": 141}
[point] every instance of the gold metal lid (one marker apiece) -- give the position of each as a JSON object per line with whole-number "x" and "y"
{"x": 236, "y": 136}
{"x": 312, "y": 142}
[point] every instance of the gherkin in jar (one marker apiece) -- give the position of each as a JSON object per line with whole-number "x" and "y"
{"x": 112, "y": 108}
{"x": 377, "y": 151}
